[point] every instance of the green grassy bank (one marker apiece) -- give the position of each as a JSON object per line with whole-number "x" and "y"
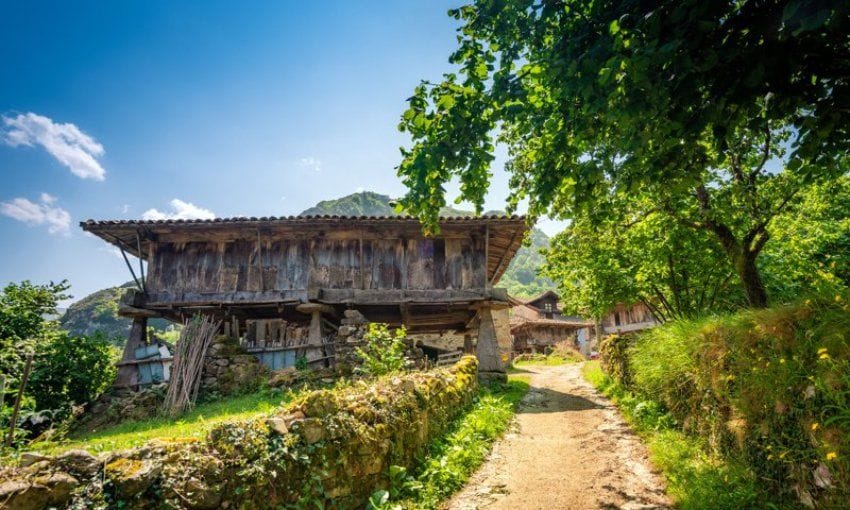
{"x": 758, "y": 403}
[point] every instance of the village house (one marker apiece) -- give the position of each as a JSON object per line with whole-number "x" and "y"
{"x": 283, "y": 286}
{"x": 539, "y": 323}
{"x": 625, "y": 318}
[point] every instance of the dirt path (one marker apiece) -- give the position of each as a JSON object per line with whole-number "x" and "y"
{"x": 570, "y": 450}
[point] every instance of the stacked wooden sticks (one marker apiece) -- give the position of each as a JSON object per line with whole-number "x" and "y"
{"x": 188, "y": 363}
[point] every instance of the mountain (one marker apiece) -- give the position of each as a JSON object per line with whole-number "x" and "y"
{"x": 98, "y": 312}
{"x": 520, "y": 278}
{"x": 369, "y": 203}
{"x": 365, "y": 203}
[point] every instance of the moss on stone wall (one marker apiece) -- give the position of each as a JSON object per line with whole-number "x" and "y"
{"x": 332, "y": 447}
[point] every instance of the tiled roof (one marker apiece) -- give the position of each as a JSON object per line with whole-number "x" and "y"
{"x": 286, "y": 219}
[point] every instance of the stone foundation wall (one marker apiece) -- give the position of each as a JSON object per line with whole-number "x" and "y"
{"x": 330, "y": 447}
{"x": 229, "y": 369}
{"x": 351, "y": 335}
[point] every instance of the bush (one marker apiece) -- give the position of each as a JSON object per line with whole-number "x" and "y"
{"x": 769, "y": 387}
{"x": 613, "y": 356}
{"x": 384, "y": 350}
{"x": 70, "y": 370}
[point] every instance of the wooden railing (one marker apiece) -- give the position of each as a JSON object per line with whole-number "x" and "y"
{"x": 448, "y": 358}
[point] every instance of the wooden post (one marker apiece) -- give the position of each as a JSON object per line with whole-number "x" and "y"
{"x": 467, "y": 344}
{"x": 17, "y": 408}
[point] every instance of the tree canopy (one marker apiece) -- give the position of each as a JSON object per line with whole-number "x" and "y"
{"x": 715, "y": 113}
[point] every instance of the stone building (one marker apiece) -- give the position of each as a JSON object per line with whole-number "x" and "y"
{"x": 539, "y": 323}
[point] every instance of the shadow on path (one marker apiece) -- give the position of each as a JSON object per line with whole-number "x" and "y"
{"x": 545, "y": 400}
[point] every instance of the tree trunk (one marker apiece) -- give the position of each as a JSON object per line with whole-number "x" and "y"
{"x": 751, "y": 281}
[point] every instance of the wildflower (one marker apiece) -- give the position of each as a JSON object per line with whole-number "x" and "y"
{"x": 824, "y": 356}
{"x": 822, "y": 350}
{"x": 781, "y": 361}
{"x": 838, "y": 298}
{"x": 815, "y": 425}
{"x": 808, "y": 302}
{"x": 831, "y": 456}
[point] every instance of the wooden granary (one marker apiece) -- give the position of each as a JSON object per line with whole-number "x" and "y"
{"x": 267, "y": 277}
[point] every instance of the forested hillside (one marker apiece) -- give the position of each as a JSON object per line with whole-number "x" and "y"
{"x": 98, "y": 312}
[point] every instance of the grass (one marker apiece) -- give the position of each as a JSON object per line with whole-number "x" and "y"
{"x": 453, "y": 458}
{"x": 695, "y": 479}
{"x": 194, "y": 424}
{"x": 561, "y": 354}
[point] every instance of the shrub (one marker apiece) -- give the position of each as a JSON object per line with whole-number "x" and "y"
{"x": 384, "y": 350}
{"x": 70, "y": 370}
{"x": 613, "y": 355}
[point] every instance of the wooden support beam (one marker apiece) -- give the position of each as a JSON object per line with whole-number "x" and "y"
{"x": 315, "y": 307}
{"x": 398, "y": 296}
{"x": 141, "y": 262}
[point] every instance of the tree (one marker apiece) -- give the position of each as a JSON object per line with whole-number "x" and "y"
{"x": 23, "y": 311}
{"x": 715, "y": 113}
{"x": 810, "y": 247}
{"x": 675, "y": 271}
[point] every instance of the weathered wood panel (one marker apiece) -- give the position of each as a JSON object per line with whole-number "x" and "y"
{"x": 265, "y": 264}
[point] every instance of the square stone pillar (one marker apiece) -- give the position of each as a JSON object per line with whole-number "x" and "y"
{"x": 493, "y": 348}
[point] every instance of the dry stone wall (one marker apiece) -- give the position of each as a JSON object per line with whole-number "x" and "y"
{"x": 329, "y": 447}
{"x": 229, "y": 369}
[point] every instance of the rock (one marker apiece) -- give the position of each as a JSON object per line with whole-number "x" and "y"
{"x": 311, "y": 429}
{"x": 283, "y": 377}
{"x": 354, "y": 314}
{"x": 278, "y": 425}
{"x": 51, "y": 490}
{"x": 371, "y": 464}
{"x": 197, "y": 495}
{"x": 29, "y": 458}
{"x": 132, "y": 477}
{"x": 79, "y": 462}
{"x": 346, "y": 330}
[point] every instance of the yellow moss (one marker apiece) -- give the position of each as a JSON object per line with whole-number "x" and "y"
{"x": 123, "y": 468}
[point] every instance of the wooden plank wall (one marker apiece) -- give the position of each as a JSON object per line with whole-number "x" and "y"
{"x": 338, "y": 262}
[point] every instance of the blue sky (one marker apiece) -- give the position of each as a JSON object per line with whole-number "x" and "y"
{"x": 126, "y": 109}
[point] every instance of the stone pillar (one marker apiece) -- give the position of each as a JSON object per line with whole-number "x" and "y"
{"x": 315, "y": 342}
{"x": 492, "y": 356}
{"x": 128, "y": 373}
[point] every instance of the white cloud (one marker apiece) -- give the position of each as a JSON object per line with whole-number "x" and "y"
{"x": 125, "y": 208}
{"x": 57, "y": 220}
{"x": 312, "y": 163}
{"x": 65, "y": 142}
{"x": 180, "y": 211}
{"x": 359, "y": 189}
